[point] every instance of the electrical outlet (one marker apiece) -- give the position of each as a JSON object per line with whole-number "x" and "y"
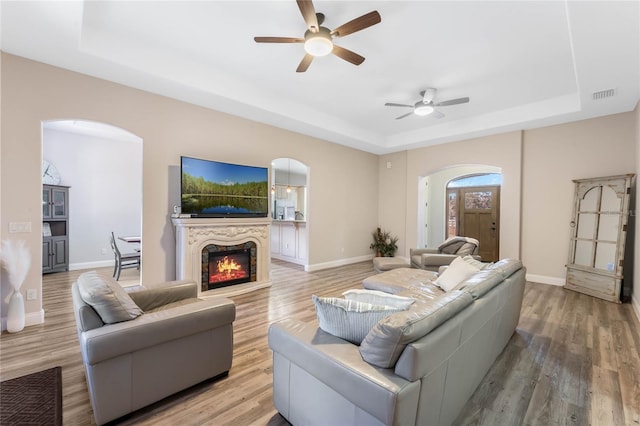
{"x": 32, "y": 294}
{"x": 104, "y": 251}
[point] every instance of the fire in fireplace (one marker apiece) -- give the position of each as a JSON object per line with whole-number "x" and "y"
{"x": 229, "y": 267}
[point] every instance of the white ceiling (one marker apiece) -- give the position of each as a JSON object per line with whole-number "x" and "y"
{"x": 524, "y": 64}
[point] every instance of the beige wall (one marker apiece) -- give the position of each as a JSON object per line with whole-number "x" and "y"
{"x": 392, "y": 201}
{"x": 538, "y": 166}
{"x": 503, "y": 151}
{"x": 343, "y": 190}
{"x": 552, "y": 157}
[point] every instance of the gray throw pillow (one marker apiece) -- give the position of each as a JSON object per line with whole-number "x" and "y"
{"x": 107, "y": 298}
{"x": 348, "y": 319}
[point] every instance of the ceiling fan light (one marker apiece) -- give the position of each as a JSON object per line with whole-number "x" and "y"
{"x": 423, "y": 110}
{"x": 318, "y": 44}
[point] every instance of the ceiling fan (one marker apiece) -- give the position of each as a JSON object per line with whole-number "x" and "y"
{"x": 425, "y": 106}
{"x": 318, "y": 40}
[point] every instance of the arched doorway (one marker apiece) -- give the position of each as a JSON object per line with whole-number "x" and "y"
{"x": 289, "y": 193}
{"x": 102, "y": 166}
{"x": 433, "y": 226}
{"x": 473, "y": 210}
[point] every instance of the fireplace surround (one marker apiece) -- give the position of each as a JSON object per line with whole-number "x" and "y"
{"x": 197, "y": 238}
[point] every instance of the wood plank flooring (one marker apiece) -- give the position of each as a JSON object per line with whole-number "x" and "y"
{"x": 574, "y": 359}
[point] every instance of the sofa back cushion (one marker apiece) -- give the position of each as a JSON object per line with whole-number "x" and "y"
{"x": 107, "y": 297}
{"x": 384, "y": 344}
{"x": 482, "y": 281}
{"x": 376, "y": 297}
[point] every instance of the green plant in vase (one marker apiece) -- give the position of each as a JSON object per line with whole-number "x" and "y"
{"x": 384, "y": 245}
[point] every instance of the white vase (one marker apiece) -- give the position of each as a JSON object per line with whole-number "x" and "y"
{"x": 15, "y": 313}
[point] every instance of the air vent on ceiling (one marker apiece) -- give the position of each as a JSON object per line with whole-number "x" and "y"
{"x": 603, "y": 94}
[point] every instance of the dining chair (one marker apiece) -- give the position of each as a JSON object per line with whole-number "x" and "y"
{"x": 123, "y": 260}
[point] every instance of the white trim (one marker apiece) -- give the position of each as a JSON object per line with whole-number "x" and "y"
{"x": 91, "y": 265}
{"x": 336, "y": 263}
{"x": 635, "y": 303}
{"x": 289, "y": 259}
{"x": 542, "y": 279}
{"x": 32, "y": 318}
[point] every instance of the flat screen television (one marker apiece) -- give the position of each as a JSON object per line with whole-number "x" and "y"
{"x": 215, "y": 189}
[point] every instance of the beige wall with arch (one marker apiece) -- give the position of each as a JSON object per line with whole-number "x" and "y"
{"x": 502, "y": 151}
{"x": 538, "y": 166}
{"x": 352, "y": 192}
{"x": 343, "y": 181}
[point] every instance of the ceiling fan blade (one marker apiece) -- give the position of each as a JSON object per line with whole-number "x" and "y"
{"x": 453, "y": 102}
{"x": 404, "y": 115}
{"x": 304, "y": 63}
{"x": 347, "y": 55}
{"x": 357, "y": 24}
{"x": 278, "y": 40}
{"x": 437, "y": 114}
{"x": 309, "y": 14}
{"x": 400, "y": 105}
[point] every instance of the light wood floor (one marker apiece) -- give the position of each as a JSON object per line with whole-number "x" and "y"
{"x": 573, "y": 359}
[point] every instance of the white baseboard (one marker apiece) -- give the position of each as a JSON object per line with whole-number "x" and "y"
{"x": 91, "y": 265}
{"x": 635, "y": 302}
{"x": 32, "y": 318}
{"x": 542, "y": 279}
{"x": 289, "y": 259}
{"x": 336, "y": 263}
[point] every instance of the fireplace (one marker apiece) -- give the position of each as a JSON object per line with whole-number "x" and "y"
{"x": 199, "y": 238}
{"x": 228, "y": 265}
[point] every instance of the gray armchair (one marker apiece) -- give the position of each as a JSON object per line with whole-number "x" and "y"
{"x": 140, "y": 347}
{"x": 432, "y": 259}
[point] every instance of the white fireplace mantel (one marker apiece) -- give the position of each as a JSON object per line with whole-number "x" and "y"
{"x": 194, "y": 234}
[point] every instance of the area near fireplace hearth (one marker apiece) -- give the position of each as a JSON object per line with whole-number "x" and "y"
{"x": 224, "y": 256}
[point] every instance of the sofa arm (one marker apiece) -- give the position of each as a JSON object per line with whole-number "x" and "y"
{"x": 339, "y": 365}
{"x": 151, "y": 329}
{"x": 165, "y": 293}
{"x": 438, "y": 259}
{"x": 419, "y": 251}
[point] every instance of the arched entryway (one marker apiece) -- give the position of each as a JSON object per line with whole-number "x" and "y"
{"x": 473, "y": 210}
{"x": 102, "y": 166}
{"x": 290, "y": 226}
{"x": 433, "y": 202}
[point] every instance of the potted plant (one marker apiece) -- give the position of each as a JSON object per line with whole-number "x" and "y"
{"x": 383, "y": 243}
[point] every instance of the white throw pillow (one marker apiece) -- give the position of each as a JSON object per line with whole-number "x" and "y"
{"x": 348, "y": 319}
{"x": 472, "y": 261}
{"x": 458, "y": 271}
{"x": 376, "y": 297}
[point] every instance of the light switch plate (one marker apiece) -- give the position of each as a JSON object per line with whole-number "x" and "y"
{"x": 16, "y": 227}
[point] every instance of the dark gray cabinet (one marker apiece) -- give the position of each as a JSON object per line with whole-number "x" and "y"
{"x": 55, "y": 228}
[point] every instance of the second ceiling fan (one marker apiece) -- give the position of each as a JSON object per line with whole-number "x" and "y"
{"x": 425, "y": 106}
{"x": 318, "y": 40}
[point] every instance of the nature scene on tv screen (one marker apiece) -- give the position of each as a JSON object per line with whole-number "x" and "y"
{"x": 212, "y": 188}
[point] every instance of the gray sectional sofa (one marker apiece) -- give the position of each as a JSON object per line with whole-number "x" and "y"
{"x": 415, "y": 367}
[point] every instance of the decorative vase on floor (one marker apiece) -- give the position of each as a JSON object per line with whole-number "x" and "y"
{"x": 15, "y": 313}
